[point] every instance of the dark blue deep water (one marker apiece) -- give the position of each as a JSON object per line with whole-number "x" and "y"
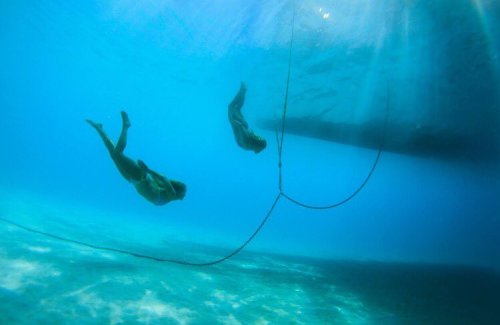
{"x": 418, "y": 244}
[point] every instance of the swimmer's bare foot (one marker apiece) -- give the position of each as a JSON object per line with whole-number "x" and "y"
{"x": 243, "y": 87}
{"x": 125, "y": 120}
{"x": 94, "y": 124}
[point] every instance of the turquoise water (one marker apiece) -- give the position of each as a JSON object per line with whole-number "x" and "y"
{"x": 418, "y": 244}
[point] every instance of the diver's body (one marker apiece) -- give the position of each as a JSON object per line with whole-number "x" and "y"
{"x": 245, "y": 137}
{"x": 151, "y": 185}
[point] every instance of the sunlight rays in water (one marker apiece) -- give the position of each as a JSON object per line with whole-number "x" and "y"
{"x": 487, "y": 29}
{"x": 374, "y": 77}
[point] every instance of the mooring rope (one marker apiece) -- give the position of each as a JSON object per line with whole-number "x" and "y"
{"x": 281, "y": 193}
{"x": 281, "y": 139}
{"x": 345, "y": 200}
{"x": 144, "y": 256}
{"x": 359, "y": 188}
{"x": 285, "y": 105}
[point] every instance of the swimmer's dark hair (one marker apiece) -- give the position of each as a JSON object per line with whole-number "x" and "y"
{"x": 180, "y": 189}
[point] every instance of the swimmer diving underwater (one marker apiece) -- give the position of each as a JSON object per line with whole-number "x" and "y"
{"x": 153, "y": 186}
{"x": 245, "y": 137}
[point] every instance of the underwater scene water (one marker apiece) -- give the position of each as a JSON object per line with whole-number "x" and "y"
{"x": 387, "y": 112}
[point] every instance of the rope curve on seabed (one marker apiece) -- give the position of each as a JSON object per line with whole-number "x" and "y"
{"x": 280, "y": 194}
{"x": 148, "y": 257}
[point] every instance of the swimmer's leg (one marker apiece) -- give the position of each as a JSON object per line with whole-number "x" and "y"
{"x": 238, "y": 100}
{"x": 122, "y": 141}
{"x": 107, "y": 142}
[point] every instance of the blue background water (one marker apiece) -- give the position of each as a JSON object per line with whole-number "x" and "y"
{"x": 174, "y": 67}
